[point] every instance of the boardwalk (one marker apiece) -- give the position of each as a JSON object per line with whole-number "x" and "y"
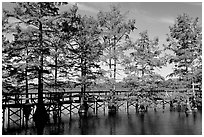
{"x": 16, "y": 107}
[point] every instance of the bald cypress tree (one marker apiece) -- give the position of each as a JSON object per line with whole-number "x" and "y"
{"x": 35, "y": 17}
{"x": 185, "y": 40}
{"x": 85, "y": 49}
{"x": 143, "y": 58}
{"x": 116, "y": 30}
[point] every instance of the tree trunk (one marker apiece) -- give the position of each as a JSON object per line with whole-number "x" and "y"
{"x": 110, "y": 68}
{"x": 40, "y": 71}
{"x": 83, "y": 74}
{"x": 26, "y": 75}
{"x": 112, "y": 103}
{"x": 114, "y": 73}
{"x": 56, "y": 69}
{"x": 114, "y": 69}
{"x": 82, "y": 88}
{"x": 40, "y": 117}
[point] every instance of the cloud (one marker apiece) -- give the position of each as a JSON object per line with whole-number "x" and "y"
{"x": 167, "y": 20}
{"x": 151, "y": 18}
{"x": 195, "y": 3}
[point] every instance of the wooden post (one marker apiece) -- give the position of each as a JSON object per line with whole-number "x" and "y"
{"x": 70, "y": 110}
{"x": 136, "y": 106}
{"x": 128, "y": 103}
{"x": 171, "y": 104}
{"x": 127, "y": 106}
{"x": 104, "y": 107}
{"x": 8, "y": 118}
{"x": 21, "y": 119}
{"x": 21, "y": 113}
{"x": 155, "y": 106}
{"x": 70, "y": 105}
{"x": 60, "y": 112}
{"x": 163, "y": 104}
{"x": 96, "y": 108}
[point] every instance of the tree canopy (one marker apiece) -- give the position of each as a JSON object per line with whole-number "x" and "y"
{"x": 185, "y": 40}
{"x": 139, "y": 64}
{"x": 51, "y": 49}
{"x": 115, "y": 30}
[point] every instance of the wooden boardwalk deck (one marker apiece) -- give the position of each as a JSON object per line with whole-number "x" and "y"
{"x": 14, "y": 105}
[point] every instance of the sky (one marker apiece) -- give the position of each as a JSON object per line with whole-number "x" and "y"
{"x": 155, "y": 17}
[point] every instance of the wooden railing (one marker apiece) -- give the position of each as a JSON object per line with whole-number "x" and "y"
{"x": 49, "y": 97}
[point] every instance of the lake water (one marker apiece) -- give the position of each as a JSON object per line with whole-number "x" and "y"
{"x": 123, "y": 123}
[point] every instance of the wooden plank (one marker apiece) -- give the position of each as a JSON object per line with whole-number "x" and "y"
{"x": 195, "y": 84}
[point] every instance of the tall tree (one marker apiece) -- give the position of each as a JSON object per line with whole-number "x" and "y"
{"x": 59, "y": 62}
{"x": 36, "y": 16}
{"x": 143, "y": 58}
{"x": 185, "y": 40}
{"x": 7, "y": 69}
{"x": 115, "y": 30}
{"x": 15, "y": 61}
{"x": 85, "y": 49}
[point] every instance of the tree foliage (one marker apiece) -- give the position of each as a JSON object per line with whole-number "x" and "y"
{"x": 85, "y": 49}
{"x": 142, "y": 58}
{"x": 52, "y": 46}
{"x": 30, "y": 29}
{"x": 115, "y": 29}
{"x": 49, "y": 49}
{"x": 185, "y": 40}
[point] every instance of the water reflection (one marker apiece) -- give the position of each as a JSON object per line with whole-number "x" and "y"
{"x": 111, "y": 122}
{"x": 87, "y": 125}
{"x": 142, "y": 123}
{"x": 151, "y": 123}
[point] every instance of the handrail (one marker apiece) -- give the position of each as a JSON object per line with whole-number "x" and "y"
{"x": 70, "y": 92}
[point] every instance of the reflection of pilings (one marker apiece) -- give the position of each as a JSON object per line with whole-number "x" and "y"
{"x": 26, "y": 113}
{"x": 56, "y": 113}
{"x": 112, "y": 119}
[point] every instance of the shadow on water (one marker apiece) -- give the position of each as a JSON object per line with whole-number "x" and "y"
{"x": 112, "y": 119}
{"x": 40, "y": 118}
{"x": 87, "y": 125}
{"x": 84, "y": 125}
{"x": 56, "y": 129}
{"x": 131, "y": 126}
{"x": 142, "y": 118}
